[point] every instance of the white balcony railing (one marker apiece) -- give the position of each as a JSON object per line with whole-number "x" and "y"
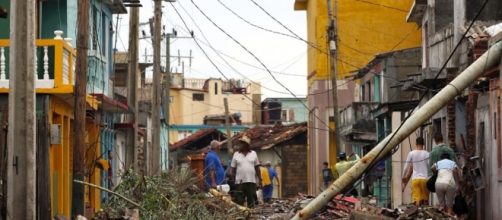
{"x": 54, "y": 69}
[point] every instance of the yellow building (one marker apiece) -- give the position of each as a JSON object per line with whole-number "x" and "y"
{"x": 363, "y": 29}
{"x": 194, "y": 99}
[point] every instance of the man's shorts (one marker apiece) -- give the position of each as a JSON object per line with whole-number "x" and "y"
{"x": 419, "y": 190}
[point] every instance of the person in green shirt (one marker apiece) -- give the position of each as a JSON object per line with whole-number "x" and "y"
{"x": 344, "y": 164}
{"x": 439, "y": 149}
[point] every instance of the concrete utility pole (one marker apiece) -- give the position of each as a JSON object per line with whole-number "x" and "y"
{"x": 332, "y": 64}
{"x": 441, "y": 99}
{"x": 167, "y": 79}
{"x": 21, "y": 172}
{"x": 132, "y": 84}
{"x": 227, "y": 125}
{"x": 156, "y": 99}
{"x": 79, "y": 145}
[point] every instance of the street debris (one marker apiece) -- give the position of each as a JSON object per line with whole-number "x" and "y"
{"x": 278, "y": 209}
{"x": 172, "y": 195}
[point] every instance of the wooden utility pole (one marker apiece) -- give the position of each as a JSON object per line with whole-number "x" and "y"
{"x": 79, "y": 145}
{"x": 227, "y": 125}
{"x": 332, "y": 64}
{"x": 21, "y": 147}
{"x": 156, "y": 99}
{"x": 132, "y": 84}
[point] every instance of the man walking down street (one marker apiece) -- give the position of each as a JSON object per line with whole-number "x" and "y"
{"x": 268, "y": 189}
{"x": 213, "y": 169}
{"x": 245, "y": 169}
{"x": 439, "y": 149}
{"x": 416, "y": 164}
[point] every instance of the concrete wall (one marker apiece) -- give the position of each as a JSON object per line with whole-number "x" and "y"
{"x": 488, "y": 149}
{"x": 119, "y": 156}
{"x": 491, "y": 12}
{"x": 398, "y": 162}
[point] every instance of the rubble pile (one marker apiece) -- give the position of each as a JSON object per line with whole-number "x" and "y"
{"x": 173, "y": 195}
{"x": 427, "y": 212}
{"x": 278, "y": 209}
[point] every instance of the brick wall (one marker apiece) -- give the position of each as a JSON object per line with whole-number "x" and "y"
{"x": 294, "y": 170}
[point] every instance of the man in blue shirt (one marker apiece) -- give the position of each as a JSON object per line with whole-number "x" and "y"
{"x": 213, "y": 169}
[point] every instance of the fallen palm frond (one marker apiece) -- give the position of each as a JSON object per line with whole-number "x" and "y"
{"x": 173, "y": 195}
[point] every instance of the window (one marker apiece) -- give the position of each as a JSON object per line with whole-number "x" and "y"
{"x": 94, "y": 28}
{"x": 287, "y": 115}
{"x": 216, "y": 88}
{"x": 369, "y": 91}
{"x": 362, "y": 93}
{"x": 198, "y": 96}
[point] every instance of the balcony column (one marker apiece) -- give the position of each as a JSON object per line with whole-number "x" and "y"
{"x": 2, "y": 63}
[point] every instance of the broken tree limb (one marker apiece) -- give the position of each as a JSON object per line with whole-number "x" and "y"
{"x": 227, "y": 200}
{"x": 107, "y": 190}
{"x": 448, "y": 93}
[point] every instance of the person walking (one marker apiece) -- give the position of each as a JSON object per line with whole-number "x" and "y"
{"x": 213, "y": 168}
{"x": 416, "y": 167}
{"x": 268, "y": 185}
{"x": 343, "y": 165}
{"x": 446, "y": 182}
{"x": 246, "y": 172}
{"x": 327, "y": 175}
{"x": 439, "y": 149}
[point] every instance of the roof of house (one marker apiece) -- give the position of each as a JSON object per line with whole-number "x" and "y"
{"x": 198, "y": 140}
{"x": 266, "y": 137}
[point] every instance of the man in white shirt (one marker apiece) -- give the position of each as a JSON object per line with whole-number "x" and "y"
{"x": 417, "y": 167}
{"x": 246, "y": 170}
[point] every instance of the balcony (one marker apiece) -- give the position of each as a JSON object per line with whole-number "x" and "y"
{"x": 357, "y": 124}
{"x": 55, "y": 66}
{"x": 417, "y": 12}
{"x": 424, "y": 79}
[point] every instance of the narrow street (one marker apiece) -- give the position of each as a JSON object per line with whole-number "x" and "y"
{"x": 250, "y": 109}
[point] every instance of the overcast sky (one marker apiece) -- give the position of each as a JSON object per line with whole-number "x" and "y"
{"x": 279, "y": 53}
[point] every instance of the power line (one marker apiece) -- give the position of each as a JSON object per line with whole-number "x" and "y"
{"x": 225, "y": 61}
{"x": 383, "y": 6}
{"x": 254, "y": 25}
{"x": 218, "y": 69}
{"x": 207, "y": 56}
{"x": 374, "y": 160}
{"x": 257, "y": 59}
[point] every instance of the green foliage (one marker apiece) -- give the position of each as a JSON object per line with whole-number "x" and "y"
{"x": 172, "y": 195}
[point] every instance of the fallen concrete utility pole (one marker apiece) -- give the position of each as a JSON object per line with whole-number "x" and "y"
{"x": 461, "y": 82}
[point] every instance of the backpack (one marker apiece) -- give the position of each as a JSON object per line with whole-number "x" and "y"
{"x": 431, "y": 183}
